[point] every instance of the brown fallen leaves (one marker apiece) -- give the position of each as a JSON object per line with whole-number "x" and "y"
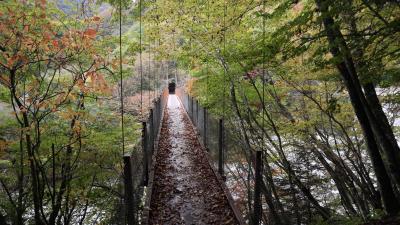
{"x": 185, "y": 189}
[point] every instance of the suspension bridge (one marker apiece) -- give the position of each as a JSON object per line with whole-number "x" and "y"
{"x": 175, "y": 173}
{"x": 172, "y": 172}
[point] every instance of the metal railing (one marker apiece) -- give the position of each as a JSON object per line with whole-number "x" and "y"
{"x": 138, "y": 162}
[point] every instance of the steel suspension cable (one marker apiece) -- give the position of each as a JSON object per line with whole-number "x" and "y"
{"x": 157, "y": 71}
{"x": 175, "y": 60}
{"x": 207, "y": 65}
{"x": 263, "y": 72}
{"x": 149, "y": 74}
{"x": 140, "y": 59}
{"x": 121, "y": 83}
{"x": 160, "y": 64}
{"x": 258, "y": 209}
{"x": 224, "y": 52}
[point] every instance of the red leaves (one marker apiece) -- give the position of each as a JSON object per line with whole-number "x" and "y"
{"x": 55, "y": 43}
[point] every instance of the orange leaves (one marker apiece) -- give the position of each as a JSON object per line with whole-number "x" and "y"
{"x": 69, "y": 113}
{"x": 3, "y": 146}
{"x": 13, "y": 60}
{"x": 48, "y": 36}
{"x": 26, "y": 28}
{"x": 81, "y": 85}
{"x": 41, "y": 3}
{"x": 91, "y": 33}
{"x": 10, "y": 61}
{"x": 98, "y": 83}
{"x": 5, "y": 80}
{"x": 60, "y": 98}
{"x": 96, "y": 19}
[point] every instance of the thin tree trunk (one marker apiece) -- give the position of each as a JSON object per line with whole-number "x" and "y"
{"x": 374, "y": 138}
{"x": 30, "y": 151}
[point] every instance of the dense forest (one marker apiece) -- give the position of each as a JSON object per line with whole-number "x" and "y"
{"x": 312, "y": 84}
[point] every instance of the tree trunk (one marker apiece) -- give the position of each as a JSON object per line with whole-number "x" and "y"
{"x": 31, "y": 152}
{"x": 372, "y": 131}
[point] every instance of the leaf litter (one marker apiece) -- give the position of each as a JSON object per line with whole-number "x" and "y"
{"x": 185, "y": 189}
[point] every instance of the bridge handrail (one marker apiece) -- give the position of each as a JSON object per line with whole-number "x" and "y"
{"x": 138, "y": 163}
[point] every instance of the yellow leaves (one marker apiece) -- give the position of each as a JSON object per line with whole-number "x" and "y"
{"x": 65, "y": 115}
{"x": 115, "y": 64}
{"x": 77, "y": 127}
{"x": 26, "y": 130}
{"x": 189, "y": 85}
{"x": 68, "y": 113}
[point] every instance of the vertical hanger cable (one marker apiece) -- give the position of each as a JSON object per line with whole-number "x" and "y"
{"x": 121, "y": 83}
{"x": 149, "y": 74}
{"x": 140, "y": 58}
{"x": 263, "y": 71}
{"x": 224, "y": 52}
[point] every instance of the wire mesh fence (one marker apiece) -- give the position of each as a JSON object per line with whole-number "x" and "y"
{"x": 206, "y": 125}
{"x": 139, "y": 160}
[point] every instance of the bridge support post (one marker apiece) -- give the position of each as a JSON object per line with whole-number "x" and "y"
{"x": 191, "y": 108}
{"x": 257, "y": 189}
{"x": 128, "y": 191}
{"x": 158, "y": 114}
{"x": 197, "y": 113}
{"x": 205, "y": 127}
{"x": 221, "y": 143}
{"x": 145, "y": 154}
{"x": 152, "y": 132}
